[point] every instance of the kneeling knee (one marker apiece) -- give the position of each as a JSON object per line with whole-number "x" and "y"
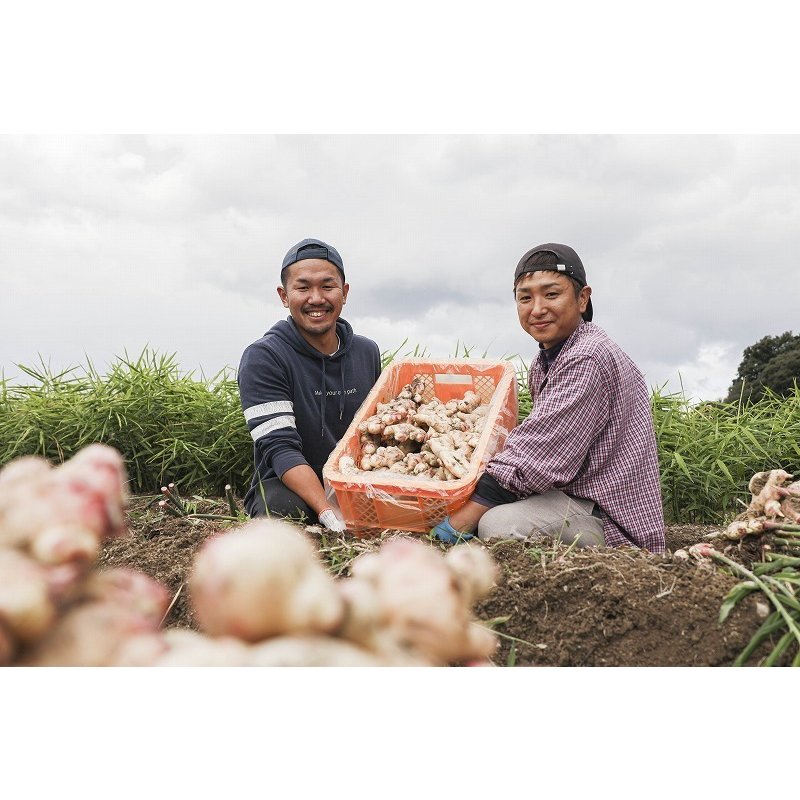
{"x": 496, "y": 524}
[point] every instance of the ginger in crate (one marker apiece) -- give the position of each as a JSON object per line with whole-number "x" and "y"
{"x": 408, "y": 436}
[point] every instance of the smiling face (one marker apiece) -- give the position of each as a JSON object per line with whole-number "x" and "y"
{"x": 314, "y": 293}
{"x": 548, "y": 307}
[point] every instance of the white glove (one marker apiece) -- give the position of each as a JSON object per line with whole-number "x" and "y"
{"x": 332, "y": 521}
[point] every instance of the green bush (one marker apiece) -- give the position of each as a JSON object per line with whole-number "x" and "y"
{"x": 168, "y": 425}
{"x": 708, "y": 452}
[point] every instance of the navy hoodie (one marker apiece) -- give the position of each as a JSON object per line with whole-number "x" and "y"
{"x": 297, "y": 401}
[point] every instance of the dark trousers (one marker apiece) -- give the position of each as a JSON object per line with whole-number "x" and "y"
{"x": 272, "y": 498}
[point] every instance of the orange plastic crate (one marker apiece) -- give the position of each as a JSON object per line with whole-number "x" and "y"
{"x": 380, "y": 500}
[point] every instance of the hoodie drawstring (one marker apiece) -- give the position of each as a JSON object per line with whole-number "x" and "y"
{"x": 341, "y": 397}
{"x": 324, "y": 393}
{"x": 322, "y": 403}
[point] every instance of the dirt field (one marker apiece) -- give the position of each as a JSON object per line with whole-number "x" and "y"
{"x": 550, "y": 606}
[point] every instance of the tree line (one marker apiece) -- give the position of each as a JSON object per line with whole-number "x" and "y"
{"x": 772, "y": 363}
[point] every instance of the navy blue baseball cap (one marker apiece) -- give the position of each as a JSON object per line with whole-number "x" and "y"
{"x": 568, "y": 263}
{"x": 313, "y": 248}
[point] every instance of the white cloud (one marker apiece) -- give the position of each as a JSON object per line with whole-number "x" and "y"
{"x": 707, "y": 376}
{"x": 110, "y": 241}
{"x": 132, "y": 161}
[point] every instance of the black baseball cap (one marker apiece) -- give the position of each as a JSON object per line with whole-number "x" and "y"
{"x": 567, "y": 262}
{"x": 313, "y": 248}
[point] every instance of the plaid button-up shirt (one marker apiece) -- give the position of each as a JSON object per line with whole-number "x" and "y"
{"x": 590, "y": 434}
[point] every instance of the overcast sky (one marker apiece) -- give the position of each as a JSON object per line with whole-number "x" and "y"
{"x": 112, "y": 243}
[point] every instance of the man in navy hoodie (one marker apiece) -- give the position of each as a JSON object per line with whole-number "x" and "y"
{"x": 301, "y": 384}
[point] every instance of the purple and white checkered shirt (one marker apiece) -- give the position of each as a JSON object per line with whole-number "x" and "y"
{"x": 590, "y": 434}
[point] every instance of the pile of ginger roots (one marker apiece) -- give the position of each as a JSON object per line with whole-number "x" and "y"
{"x": 775, "y": 500}
{"x": 408, "y": 436}
{"x": 260, "y": 594}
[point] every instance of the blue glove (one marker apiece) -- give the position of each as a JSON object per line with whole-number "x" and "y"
{"x": 445, "y": 532}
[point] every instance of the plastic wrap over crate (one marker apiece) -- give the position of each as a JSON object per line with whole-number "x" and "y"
{"x": 377, "y": 500}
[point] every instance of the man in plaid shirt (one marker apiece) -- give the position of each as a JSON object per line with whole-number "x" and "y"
{"x": 583, "y": 466}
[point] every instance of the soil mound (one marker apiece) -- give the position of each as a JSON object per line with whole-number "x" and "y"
{"x": 550, "y": 607}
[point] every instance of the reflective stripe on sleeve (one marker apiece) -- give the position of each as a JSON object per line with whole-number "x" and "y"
{"x": 270, "y": 425}
{"x": 278, "y": 407}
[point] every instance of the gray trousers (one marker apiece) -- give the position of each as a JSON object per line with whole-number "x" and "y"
{"x": 553, "y": 514}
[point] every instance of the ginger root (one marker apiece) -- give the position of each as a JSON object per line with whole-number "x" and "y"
{"x": 407, "y": 602}
{"x": 431, "y": 440}
{"x": 771, "y": 500}
{"x": 451, "y": 458}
